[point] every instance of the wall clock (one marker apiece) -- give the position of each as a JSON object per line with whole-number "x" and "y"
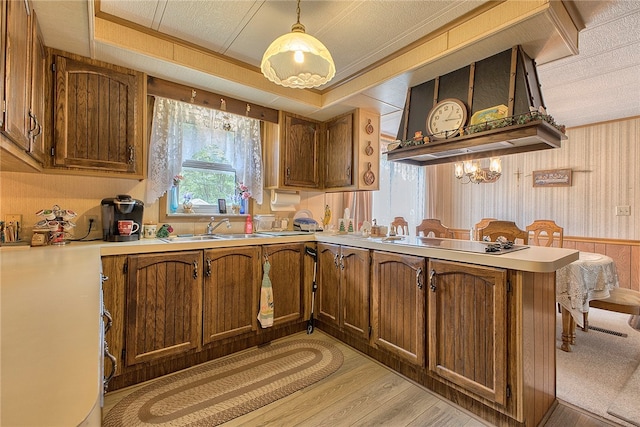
{"x": 447, "y": 118}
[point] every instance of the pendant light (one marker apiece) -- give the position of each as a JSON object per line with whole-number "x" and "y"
{"x": 298, "y": 60}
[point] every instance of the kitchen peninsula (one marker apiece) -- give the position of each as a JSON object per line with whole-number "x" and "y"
{"x": 55, "y": 291}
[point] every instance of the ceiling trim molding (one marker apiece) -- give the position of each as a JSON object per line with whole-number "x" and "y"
{"x": 147, "y": 42}
{"x": 476, "y": 35}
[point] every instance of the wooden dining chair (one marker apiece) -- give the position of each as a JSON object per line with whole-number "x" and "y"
{"x": 432, "y": 225}
{"x": 400, "y": 225}
{"x": 545, "y": 232}
{"x": 506, "y": 229}
{"x": 481, "y": 224}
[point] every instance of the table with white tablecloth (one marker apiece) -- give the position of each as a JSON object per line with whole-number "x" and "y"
{"x": 591, "y": 277}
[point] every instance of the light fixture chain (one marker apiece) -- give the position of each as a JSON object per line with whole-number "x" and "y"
{"x": 298, "y": 11}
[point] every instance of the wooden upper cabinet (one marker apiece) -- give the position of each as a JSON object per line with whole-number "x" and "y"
{"x": 98, "y": 110}
{"x": 468, "y": 327}
{"x": 338, "y": 149}
{"x": 17, "y": 83}
{"x": 164, "y": 305}
{"x": 300, "y": 152}
{"x": 38, "y": 122}
{"x": 3, "y": 56}
{"x": 346, "y": 146}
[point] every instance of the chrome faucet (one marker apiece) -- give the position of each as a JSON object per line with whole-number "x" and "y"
{"x": 211, "y": 226}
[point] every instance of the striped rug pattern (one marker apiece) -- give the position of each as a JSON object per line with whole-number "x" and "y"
{"x": 218, "y": 391}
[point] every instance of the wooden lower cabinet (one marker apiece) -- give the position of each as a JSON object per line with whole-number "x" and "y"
{"x": 467, "y": 331}
{"x": 164, "y": 305}
{"x": 230, "y": 296}
{"x": 343, "y": 288}
{"x": 114, "y": 297}
{"x": 398, "y": 305}
{"x": 287, "y": 280}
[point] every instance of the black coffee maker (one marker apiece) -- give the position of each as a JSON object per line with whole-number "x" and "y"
{"x": 122, "y": 207}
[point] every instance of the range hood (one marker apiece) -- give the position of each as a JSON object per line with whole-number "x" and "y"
{"x": 532, "y": 136}
{"x": 507, "y": 80}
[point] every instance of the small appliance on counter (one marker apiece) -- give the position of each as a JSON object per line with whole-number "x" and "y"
{"x": 118, "y": 212}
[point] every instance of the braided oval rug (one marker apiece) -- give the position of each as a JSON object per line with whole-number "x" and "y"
{"x": 218, "y": 391}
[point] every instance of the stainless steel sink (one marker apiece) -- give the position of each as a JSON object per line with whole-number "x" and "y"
{"x": 194, "y": 238}
{"x": 204, "y": 237}
{"x": 238, "y": 236}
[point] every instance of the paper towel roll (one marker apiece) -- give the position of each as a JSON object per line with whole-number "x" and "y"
{"x": 284, "y": 201}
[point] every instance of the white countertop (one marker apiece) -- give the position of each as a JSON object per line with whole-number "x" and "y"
{"x": 50, "y": 328}
{"x": 537, "y": 259}
{"x": 51, "y": 304}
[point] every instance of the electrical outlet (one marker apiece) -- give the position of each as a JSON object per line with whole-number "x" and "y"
{"x": 92, "y": 221}
{"x": 12, "y": 218}
{"x": 623, "y": 210}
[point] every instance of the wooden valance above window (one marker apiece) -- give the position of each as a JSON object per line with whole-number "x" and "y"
{"x": 179, "y": 92}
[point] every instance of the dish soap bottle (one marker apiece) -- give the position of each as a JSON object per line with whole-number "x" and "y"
{"x": 248, "y": 226}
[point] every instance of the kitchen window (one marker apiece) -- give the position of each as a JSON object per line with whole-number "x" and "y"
{"x": 402, "y": 192}
{"x": 201, "y": 155}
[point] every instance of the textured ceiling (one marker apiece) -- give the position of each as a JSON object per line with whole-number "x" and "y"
{"x": 601, "y": 83}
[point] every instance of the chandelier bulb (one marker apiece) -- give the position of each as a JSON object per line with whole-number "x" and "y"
{"x": 475, "y": 173}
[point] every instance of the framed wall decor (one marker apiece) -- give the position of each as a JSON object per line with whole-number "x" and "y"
{"x": 552, "y": 178}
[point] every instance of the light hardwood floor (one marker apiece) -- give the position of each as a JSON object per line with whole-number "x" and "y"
{"x": 365, "y": 393}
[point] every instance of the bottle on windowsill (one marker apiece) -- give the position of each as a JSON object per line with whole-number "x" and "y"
{"x": 248, "y": 226}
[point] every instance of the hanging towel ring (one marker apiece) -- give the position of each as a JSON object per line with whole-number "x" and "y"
{"x": 248, "y": 109}
{"x": 193, "y": 96}
{"x": 223, "y": 104}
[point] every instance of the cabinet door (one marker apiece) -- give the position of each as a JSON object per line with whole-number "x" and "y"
{"x": 338, "y": 151}
{"x": 328, "y": 292}
{"x": 287, "y": 281}
{"x": 355, "y": 290}
{"x": 17, "y": 74}
{"x": 96, "y": 117}
{"x": 38, "y": 121}
{"x": 301, "y": 146}
{"x": 467, "y": 327}
{"x": 115, "y": 297}
{"x": 398, "y": 305}
{"x": 3, "y": 49}
{"x": 164, "y": 305}
{"x": 231, "y": 287}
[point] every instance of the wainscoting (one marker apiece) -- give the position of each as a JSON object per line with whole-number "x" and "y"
{"x": 626, "y": 254}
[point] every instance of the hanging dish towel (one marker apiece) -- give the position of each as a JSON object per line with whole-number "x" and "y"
{"x": 265, "y": 315}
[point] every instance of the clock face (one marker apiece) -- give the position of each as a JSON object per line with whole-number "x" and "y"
{"x": 447, "y": 118}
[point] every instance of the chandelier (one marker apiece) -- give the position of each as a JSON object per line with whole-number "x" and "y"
{"x": 472, "y": 171}
{"x": 298, "y": 60}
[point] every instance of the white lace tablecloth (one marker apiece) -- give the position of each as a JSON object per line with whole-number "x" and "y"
{"x": 590, "y": 277}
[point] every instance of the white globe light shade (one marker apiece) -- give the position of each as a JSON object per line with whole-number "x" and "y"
{"x": 281, "y": 61}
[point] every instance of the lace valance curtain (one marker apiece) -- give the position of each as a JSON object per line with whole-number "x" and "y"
{"x": 165, "y": 148}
